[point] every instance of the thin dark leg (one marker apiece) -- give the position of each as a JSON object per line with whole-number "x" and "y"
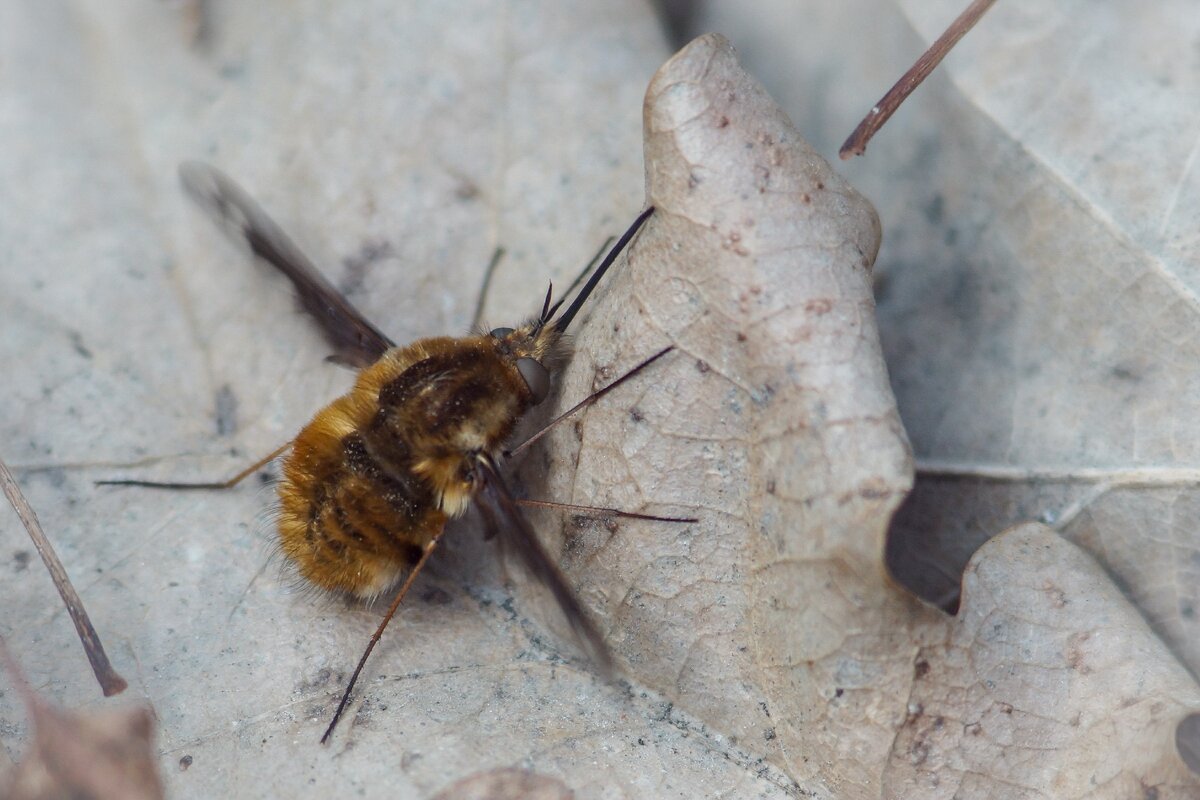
{"x": 587, "y": 401}
{"x": 598, "y": 511}
{"x": 412, "y": 576}
{"x": 487, "y": 285}
{"x": 229, "y": 484}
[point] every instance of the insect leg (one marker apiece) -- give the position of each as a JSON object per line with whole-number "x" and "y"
{"x": 587, "y": 401}
{"x": 486, "y": 287}
{"x": 597, "y": 511}
{"x": 504, "y": 521}
{"x": 547, "y": 310}
{"x": 408, "y": 582}
{"x": 229, "y": 484}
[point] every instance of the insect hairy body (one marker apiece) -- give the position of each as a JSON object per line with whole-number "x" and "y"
{"x": 370, "y": 482}
{"x": 375, "y": 475}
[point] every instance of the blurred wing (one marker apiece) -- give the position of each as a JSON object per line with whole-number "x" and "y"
{"x": 356, "y": 342}
{"x": 504, "y": 520}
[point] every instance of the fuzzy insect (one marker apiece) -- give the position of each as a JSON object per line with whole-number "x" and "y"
{"x": 369, "y": 484}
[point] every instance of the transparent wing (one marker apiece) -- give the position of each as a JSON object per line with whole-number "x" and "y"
{"x": 356, "y": 342}
{"x": 504, "y": 521}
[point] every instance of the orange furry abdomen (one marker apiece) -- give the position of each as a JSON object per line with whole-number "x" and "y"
{"x": 370, "y": 481}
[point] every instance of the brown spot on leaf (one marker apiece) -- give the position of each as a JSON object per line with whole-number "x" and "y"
{"x": 918, "y": 751}
{"x": 508, "y": 783}
{"x": 733, "y": 242}
{"x": 874, "y": 490}
{"x": 819, "y": 306}
{"x": 1054, "y": 594}
{"x": 1075, "y": 652}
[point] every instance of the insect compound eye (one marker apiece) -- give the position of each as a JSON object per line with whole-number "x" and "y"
{"x": 537, "y": 378}
{"x": 500, "y": 333}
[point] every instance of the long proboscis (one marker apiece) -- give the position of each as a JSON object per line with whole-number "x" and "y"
{"x": 565, "y": 318}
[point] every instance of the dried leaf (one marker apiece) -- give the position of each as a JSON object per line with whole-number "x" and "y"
{"x": 400, "y": 150}
{"x": 1083, "y": 286}
{"x": 101, "y": 755}
{"x": 1049, "y": 684}
{"x": 399, "y": 146}
{"x": 1038, "y": 197}
{"x": 107, "y": 755}
{"x": 1022, "y": 250}
{"x": 506, "y": 784}
{"x": 774, "y": 424}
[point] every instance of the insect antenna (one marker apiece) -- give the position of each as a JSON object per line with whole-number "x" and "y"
{"x": 408, "y": 582}
{"x": 546, "y": 306}
{"x": 565, "y": 319}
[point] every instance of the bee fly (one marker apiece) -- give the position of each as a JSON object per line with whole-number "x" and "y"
{"x": 369, "y": 483}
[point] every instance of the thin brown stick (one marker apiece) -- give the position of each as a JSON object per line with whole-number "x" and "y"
{"x": 229, "y": 484}
{"x": 856, "y": 145}
{"x": 587, "y": 401}
{"x": 110, "y": 681}
{"x": 598, "y": 511}
{"x": 412, "y": 576}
